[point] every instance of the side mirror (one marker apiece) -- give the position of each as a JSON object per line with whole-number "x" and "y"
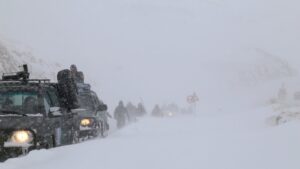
{"x": 55, "y": 112}
{"x": 102, "y": 107}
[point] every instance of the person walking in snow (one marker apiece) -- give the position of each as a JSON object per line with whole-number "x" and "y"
{"x": 282, "y": 93}
{"x": 132, "y": 111}
{"x": 121, "y": 115}
{"x": 282, "y": 97}
{"x": 156, "y": 112}
{"x": 141, "y": 111}
{"x": 77, "y": 75}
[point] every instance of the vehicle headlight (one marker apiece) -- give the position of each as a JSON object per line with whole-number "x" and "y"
{"x": 86, "y": 122}
{"x": 22, "y": 137}
{"x": 170, "y": 114}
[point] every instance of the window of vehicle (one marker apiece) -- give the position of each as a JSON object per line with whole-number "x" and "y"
{"x": 47, "y": 105}
{"x": 53, "y": 98}
{"x": 95, "y": 99}
{"x": 50, "y": 99}
{"x": 47, "y": 102}
{"x": 23, "y": 102}
{"x": 86, "y": 102}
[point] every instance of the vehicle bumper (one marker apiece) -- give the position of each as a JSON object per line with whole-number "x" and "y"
{"x": 10, "y": 150}
{"x": 88, "y": 132}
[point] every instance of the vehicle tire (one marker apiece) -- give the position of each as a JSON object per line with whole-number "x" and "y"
{"x": 3, "y": 156}
{"x": 25, "y": 151}
{"x": 98, "y": 130}
{"x": 104, "y": 130}
{"x": 75, "y": 137}
{"x": 3, "y": 159}
{"x": 51, "y": 143}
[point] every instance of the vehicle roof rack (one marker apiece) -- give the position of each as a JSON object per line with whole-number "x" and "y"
{"x": 39, "y": 80}
{"x": 22, "y": 76}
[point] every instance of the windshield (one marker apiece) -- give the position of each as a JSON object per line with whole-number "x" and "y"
{"x": 86, "y": 102}
{"x": 19, "y": 102}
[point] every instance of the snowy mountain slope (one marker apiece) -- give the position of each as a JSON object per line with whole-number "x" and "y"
{"x": 246, "y": 82}
{"x": 13, "y": 56}
{"x": 264, "y": 67}
{"x": 258, "y": 76}
{"x": 239, "y": 140}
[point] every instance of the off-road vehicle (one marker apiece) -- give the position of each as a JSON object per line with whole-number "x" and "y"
{"x": 35, "y": 113}
{"x": 94, "y": 115}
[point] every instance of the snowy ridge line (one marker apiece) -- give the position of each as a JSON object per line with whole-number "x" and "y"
{"x": 13, "y": 56}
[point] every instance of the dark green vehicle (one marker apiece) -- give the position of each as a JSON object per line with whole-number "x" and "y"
{"x": 94, "y": 115}
{"x": 36, "y": 114}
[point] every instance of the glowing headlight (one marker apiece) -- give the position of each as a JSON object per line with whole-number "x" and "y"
{"x": 170, "y": 114}
{"x": 86, "y": 122}
{"x": 22, "y": 137}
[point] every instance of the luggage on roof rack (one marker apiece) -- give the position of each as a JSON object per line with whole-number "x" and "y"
{"x": 83, "y": 87}
{"x": 67, "y": 89}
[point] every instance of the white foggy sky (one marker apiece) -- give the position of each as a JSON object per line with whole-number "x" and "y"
{"x": 160, "y": 50}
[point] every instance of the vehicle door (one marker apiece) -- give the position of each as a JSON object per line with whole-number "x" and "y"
{"x": 54, "y": 118}
{"x": 65, "y": 118}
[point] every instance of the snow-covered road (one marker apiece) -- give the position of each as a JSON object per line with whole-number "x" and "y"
{"x": 231, "y": 141}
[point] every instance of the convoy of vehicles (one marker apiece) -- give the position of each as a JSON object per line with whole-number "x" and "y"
{"x": 37, "y": 114}
{"x": 40, "y": 114}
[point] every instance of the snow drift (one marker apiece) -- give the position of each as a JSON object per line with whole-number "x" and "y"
{"x": 239, "y": 140}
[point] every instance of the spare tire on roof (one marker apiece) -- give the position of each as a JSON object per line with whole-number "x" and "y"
{"x": 67, "y": 89}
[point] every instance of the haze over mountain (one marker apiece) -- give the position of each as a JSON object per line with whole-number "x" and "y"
{"x": 12, "y": 57}
{"x": 162, "y": 50}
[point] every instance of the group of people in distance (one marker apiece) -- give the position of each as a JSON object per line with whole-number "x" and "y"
{"x": 129, "y": 113}
{"x": 125, "y": 114}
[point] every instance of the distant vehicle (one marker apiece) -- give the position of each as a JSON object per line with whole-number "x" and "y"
{"x": 36, "y": 114}
{"x": 168, "y": 114}
{"x": 165, "y": 111}
{"x": 170, "y": 110}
